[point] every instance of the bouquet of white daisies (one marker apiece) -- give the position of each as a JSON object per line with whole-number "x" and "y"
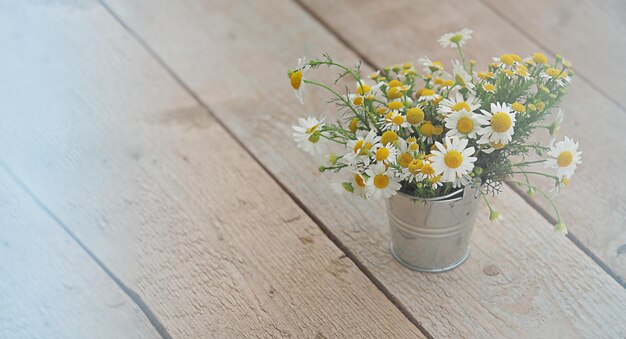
{"x": 425, "y": 131}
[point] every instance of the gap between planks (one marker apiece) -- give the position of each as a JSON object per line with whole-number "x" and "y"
{"x": 134, "y": 296}
{"x": 349, "y": 254}
{"x": 367, "y": 61}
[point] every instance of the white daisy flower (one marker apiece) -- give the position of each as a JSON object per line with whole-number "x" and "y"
{"x": 308, "y": 135}
{"x": 556, "y": 126}
{"x": 454, "y": 38}
{"x": 352, "y": 182}
{"x": 413, "y": 171}
{"x": 382, "y": 182}
{"x": 463, "y": 124}
{"x": 296, "y": 78}
{"x": 435, "y": 182}
{"x": 406, "y": 152}
{"x": 554, "y": 191}
{"x": 457, "y": 103}
{"x": 393, "y": 121}
{"x": 427, "y": 171}
{"x": 522, "y": 72}
{"x": 386, "y": 154}
{"x": 362, "y": 92}
{"x": 427, "y": 132}
{"x": 428, "y": 94}
{"x": 461, "y": 77}
{"x": 565, "y": 158}
{"x": 430, "y": 66}
{"x": 361, "y": 148}
{"x": 561, "y": 77}
{"x": 498, "y": 123}
{"x": 488, "y": 87}
{"x": 507, "y": 61}
{"x": 453, "y": 160}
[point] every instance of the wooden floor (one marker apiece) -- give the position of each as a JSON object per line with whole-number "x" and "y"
{"x": 149, "y": 186}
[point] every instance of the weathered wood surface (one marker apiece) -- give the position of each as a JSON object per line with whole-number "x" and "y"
{"x": 521, "y": 279}
{"x": 162, "y": 194}
{"x": 49, "y": 286}
{"x": 590, "y": 34}
{"x": 592, "y": 206}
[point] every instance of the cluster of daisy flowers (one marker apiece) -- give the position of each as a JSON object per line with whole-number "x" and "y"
{"x": 426, "y": 131}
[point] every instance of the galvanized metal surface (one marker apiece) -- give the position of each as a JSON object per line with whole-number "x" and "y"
{"x": 432, "y": 235}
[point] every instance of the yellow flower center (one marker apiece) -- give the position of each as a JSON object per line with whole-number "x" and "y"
{"x": 565, "y": 181}
{"x": 427, "y": 130}
{"x": 388, "y": 136}
{"x": 395, "y": 105}
{"x": 519, "y": 108}
{"x": 459, "y": 80}
{"x": 523, "y": 72}
{"x": 363, "y": 89}
{"x": 553, "y": 72}
{"x": 435, "y": 66}
{"x": 398, "y": 120}
{"x": 394, "y": 93}
{"x": 565, "y": 158}
{"x": 516, "y": 57}
{"x": 427, "y": 92}
{"x": 427, "y": 169}
{"x": 415, "y": 165}
{"x": 414, "y": 116}
{"x": 497, "y": 146}
{"x": 358, "y": 179}
{"x": 507, "y": 59}
{"x": 359, "y": 146}
{"x": 411, "y": 140}
{"x": 296, "y": 79}
{"x": 456, "y": 38}
{"x": 405, "y": 159}
{"x": 453, "y": 159}
{"x": 381, "y": 110}
{"x": 381, "y": 181}
{"x": 435, "y": 179}
{"x": 489, "y": 87}
{"x": 382, "y": 154}
{"x": 465, "y": 125}
{"x": 447, "y": 83}
{"x": 414, "y": 147}
{"x": 540, "y": 58}
{"x": 354, "y": 124}
{"x": 461, "y": 105}
{"x": 509, "y": 73}
{"x": 500, "y": 122}
{"x": 395, "y": 83}
{"x": 437, "y": 130}
{"x": 312, "y": 129}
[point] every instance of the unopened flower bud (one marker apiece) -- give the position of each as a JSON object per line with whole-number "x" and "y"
{"x": 494, "y": 216}
{"x": 560, "y": 227}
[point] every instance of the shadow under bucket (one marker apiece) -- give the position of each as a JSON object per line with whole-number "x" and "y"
{"x": 432, "y": 235}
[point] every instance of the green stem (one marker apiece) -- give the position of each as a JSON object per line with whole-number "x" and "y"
{"x": 528, "y": 163}
{"x": 537, "y": 173}
{"x": 545, "y": 195}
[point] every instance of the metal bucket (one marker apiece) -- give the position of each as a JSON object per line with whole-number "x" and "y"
{"x": 432, "y": 235}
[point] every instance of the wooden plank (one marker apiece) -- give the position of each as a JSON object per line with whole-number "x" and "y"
{"x": 49, "y": 286}
{"x": 520, "y": 280}
{"x": 591, "y": 206}
{"x": 592, "y": 34}
{"x": 163, "y": 195}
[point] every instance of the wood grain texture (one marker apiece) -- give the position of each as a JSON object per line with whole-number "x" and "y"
{"x": 592, "y": 206}
{"x": 49, "y": 286}
{"x": 157, "y": 190}
{"x": 590, "y": 34}
{"x": 520, "y": 280}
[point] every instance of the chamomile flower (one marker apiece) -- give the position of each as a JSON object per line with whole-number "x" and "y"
{"x": 308, "y": 136}
{"x": 394, "y": 121}
{"x": 352, "y": 182}
{"x": 428, "y": 94}
{"x": 363, "y": 91}
{"x": 455, "y": 38}
{"x": 560, "y": 77}
{"x": 427, "y": 172}
{"x": 431, "y": 66}
{"x": 556, "y": 126}
{"x": 435, "y": 182}
{"x": 453, "y": 160}
{"x": 414, "y": 170}
{"x": 386, "y": 154}
{"x": 457, "y": 103}
{"x": 461, "y": 77}
{"x": 405, "y": 153}
{"x": 506, "y": 61}
{"x": 463, "y": 124}
{"x": 489, "y": 87}
{"x": 382, "y": 182}
{"x": 296, "y": 78}
{"x": 499, "y": 123}
{"x": 427, "y": 132}
{"x": 554, "y": 191}
{"x": 564, "y": 157}
{"x": 361, "y": 148}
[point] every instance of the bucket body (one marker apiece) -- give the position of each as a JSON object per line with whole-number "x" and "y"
{"x": 432, "y": 235}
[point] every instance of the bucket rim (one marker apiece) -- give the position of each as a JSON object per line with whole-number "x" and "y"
{"x": 447, "y": 197}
